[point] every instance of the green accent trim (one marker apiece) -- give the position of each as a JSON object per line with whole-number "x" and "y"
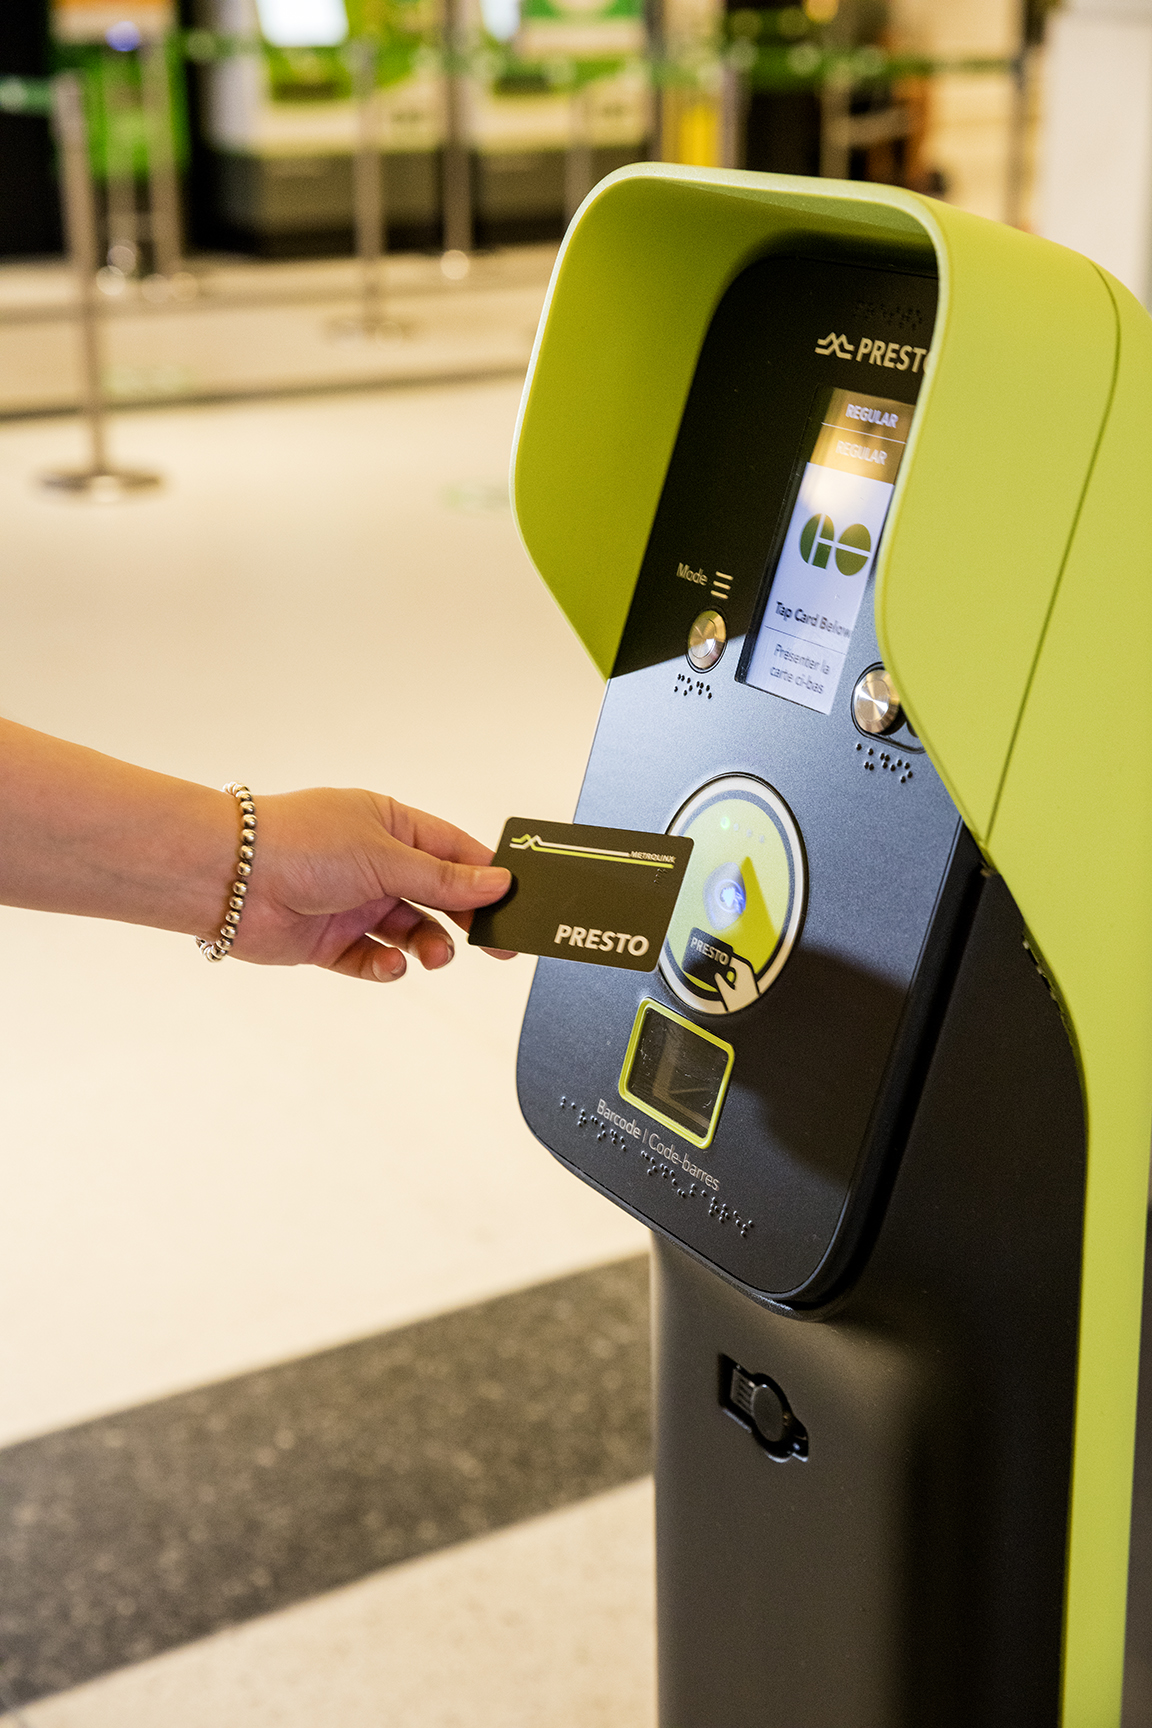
{"x": 698, "y": 1140}
{"x": 533, "y": 843}
{"x": 1072, "y": 833}
{"x": 638, "y": 277}
{"x": 1003, "y": 587}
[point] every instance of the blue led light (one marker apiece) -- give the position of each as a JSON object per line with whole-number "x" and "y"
{"x": 123, "y": 36}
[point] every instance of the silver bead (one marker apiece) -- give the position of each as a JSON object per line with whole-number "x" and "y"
{"x": 226, "y": 930}
{"x": 240, "y": 888}
{"x": 237, "y": 906}
{"x": 247, "y": 852}
{"x": 231, "y": 918}
{"x": 248, "y": 831}
{"x": 243, "y": 869}
{"x": 247, "y": 806}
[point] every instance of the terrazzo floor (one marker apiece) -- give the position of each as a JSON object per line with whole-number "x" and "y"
{"x": 546, "y": 1625}
{"x": 212, "y": 1170}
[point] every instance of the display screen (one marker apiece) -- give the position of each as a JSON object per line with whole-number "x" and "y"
{"x": 303, "y": 23}
{"x": 829, "y": 548}
{"x": 679, "y": 1074}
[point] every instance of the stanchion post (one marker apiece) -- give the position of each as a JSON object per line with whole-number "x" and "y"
{"x": 80, "y": 228}
{"x": 835, "y": 103}
{"x": 369, "y": 201}
{"x": 163, "y": 189}
{"x": 122, "y": 219}
{"x": 657, "y": 48}
{"x": 100, "y": 479}
{"x": 1016, "y": 166}
{"x": 368, "y": 181}
{"x": 578, "y": 155}
{"x": 733, "y": 102}
{"x": 457, "y": 182}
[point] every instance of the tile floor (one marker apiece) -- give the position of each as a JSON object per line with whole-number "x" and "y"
{"x": 546, "y": 1625}
{"x": 210, "y": 1169}
{"x": 151, "y": 1528}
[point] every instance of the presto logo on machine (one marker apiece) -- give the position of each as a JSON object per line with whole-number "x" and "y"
{"x": 896, "y": 356}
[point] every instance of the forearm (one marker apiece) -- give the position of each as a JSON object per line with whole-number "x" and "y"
{"x": 83, "y": 833}
{"x": 340, "y": 877}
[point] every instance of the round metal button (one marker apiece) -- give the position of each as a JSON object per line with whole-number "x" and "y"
{"x": 875, "y": 704}
{"x": 706, "y": 641}
{"x": 769, "y": 1414}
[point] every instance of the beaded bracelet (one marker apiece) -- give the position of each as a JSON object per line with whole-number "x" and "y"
{"x": 216, "y": 950}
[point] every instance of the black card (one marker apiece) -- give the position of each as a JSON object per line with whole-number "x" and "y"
{"x": 601, "y": 895}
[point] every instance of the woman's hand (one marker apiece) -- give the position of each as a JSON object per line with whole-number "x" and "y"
{"x": 339, "y": 879}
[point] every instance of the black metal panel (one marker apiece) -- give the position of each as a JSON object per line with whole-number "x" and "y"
{"x": 827, "y": 1062}
{"x": 911, "y": 1570}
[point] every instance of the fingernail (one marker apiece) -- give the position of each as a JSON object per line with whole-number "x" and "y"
{"x": 442, "y": 952}
{"x": 490, "y": 879}
{"x": 385, "y": 968}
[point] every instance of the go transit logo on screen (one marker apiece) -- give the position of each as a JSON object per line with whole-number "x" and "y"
{"x": 818, "y": 541}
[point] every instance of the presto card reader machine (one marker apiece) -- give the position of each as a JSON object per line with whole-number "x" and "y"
{"x": 847, "y": 494}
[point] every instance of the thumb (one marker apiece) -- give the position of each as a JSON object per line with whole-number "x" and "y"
{"x": 440, "y": 882}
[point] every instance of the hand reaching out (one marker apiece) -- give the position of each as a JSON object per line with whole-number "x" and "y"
{"x": 340, "y": 878}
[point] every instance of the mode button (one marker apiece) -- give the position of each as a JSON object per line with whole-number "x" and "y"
{"x": 706, "y": 641}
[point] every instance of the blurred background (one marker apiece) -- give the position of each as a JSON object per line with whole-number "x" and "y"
{"x": 323, "y": 1390}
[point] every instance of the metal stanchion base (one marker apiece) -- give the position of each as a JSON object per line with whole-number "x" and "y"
{"x": 369, "y": 330}
{"x": 455, "y": 265}
{"x": 102, "y": 485}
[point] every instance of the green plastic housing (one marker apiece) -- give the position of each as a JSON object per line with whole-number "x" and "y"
{"x": 1014, "y": 607}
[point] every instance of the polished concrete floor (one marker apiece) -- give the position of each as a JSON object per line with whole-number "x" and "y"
{"x": 213, "y": 1169}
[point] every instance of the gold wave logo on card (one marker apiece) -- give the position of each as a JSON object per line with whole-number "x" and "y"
{"x": 650, "y": 860}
